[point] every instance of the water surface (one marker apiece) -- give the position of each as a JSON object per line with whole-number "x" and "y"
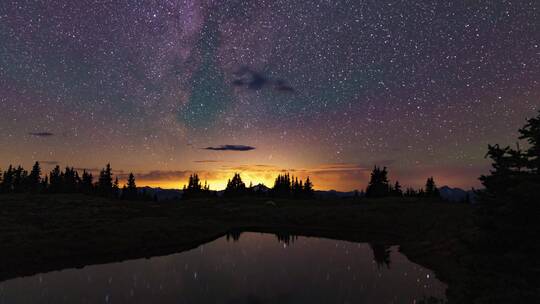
{"x": 241, "y": 268}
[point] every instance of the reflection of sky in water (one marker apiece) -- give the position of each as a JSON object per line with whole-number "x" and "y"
{"x": 256, "y": 269}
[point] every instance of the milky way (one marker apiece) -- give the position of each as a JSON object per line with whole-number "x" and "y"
{"x": 321, "y": 88}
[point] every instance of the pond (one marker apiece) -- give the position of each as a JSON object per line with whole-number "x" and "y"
{"x": 242, "y": 268}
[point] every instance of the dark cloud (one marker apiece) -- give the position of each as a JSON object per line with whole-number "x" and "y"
{"x": 49, "y": 162}
{"x": 230, "y": 148}
{"x": 253, "y": 80}
{"x": 41, "y": 134}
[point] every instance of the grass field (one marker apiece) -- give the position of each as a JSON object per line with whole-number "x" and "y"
{"x": 41, "y": 233}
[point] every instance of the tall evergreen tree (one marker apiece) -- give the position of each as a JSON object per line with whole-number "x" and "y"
{"x": 116, "y": 188}
{"x": 70, "y": 180}
{"x": 235, "y": 186}
{"x": 7, "y": 180}
{"x": 20, "y": 180}
{"x": 105, "y": 181}
{"x": 308, "y": 191}
{"x": 195, "y": 189}
{"x": 378, "y": 185}
{"x": 87, "y": 183}
{"x": 510, "y": 200}
{"x": 130, "y": 192}
{"x": 55, "y": 180}
{"x": 431, "y": 189}
{"x": 34, "y": 178}
{"x": 396, "y": 190}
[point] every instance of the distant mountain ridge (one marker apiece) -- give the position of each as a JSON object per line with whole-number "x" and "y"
{"x": 447, "y": 193}
{"x": 456, "y": 194}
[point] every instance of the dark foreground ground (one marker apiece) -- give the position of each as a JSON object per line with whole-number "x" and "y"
{"x": 44, "y": 233}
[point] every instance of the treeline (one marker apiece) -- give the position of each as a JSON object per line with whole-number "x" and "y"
{"x": 19, "y": 180}
{"x": 285, "y": 186}
{"x": 380, "y": 186}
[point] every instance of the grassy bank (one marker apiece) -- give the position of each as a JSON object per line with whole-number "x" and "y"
{"x": 44, "y": 233}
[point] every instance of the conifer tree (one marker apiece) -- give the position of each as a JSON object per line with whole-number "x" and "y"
{"x": 55, "y": 180}
{"x": 308, "y": 189}
{"x": 116, "y": 188}
{"x": 130, "y": 192}
{"x": 7, "y": 181}
{"x": 378, "y": 185}
{"x": 105, "y": 182}
{"x": 70, "y": 180}
{"x": 34, "y": 178}
{"x": 195, "y": 188}
{"x": 397, "y": 189}
{"x": 19, "y": 180}
{"x": 431, "y": 189}
{"x": 87, "y": 183}
{"x": 510, "y": 200}
{"x": 235, "y": 186}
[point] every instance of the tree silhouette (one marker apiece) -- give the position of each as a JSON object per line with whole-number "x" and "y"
{"x": 282, "y": 186}
{"x": 235, "y": 186}
{"x": 105, "y": 182}
{"x": 70, "y": 180}
{"x": 115, "y": 188}
{"x": 34, "y": 178}
{"x": 55, "y": 180}
{"x": 20, "y": 180}
{"x": 130, "y": 191}
{"x": 308, "y": 189}
{"x": 431, "y": 189}
{"x": 87, "y": 183}
{"x": 396, "y": 190}
{"x": 287, "y": 186}
{"x": 7, "y": 180}
{"x": 195, "y": 189}
{"x": 510, "y": 200}
{"x": 378, "y": 185}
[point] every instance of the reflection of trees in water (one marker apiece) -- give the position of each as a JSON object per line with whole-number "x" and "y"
{"x": 234, "y": 235}
{"x": 381, "y": 254}
{"x": 283, "y": 237}
{"x": 286, "y": 238}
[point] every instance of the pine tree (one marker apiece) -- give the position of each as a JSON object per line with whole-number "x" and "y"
{"x": 397, "y": 189}
{"x": 431, "y": 189}
{"x": 195, "y": 189}
{"x": 87, "y": 183}
{"x": 70, "y": 180}
{"x": 7, "y": 181}
{"x": 20, "y": 180}
{"x": 510, "y": 200}
{"x": 105, "y": 181}
{"x": 34, "y": 178}
{"x": 115, "y": 188}
{"x": 378, "y": 185}
{"x": 282, "y": 186}
{"x": 55, "y": 180}
{"x": 308, "y": 189}
{"x": 235, "y": 186}
{"x": 130, "y": 191}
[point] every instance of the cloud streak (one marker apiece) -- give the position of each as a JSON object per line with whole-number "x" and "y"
{"x": 41, "y": 134}
{"x": 230, "y": 148}
{"x": 253, "y": 80}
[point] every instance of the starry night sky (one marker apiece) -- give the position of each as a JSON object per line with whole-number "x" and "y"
{"x": 320, "y": 88}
